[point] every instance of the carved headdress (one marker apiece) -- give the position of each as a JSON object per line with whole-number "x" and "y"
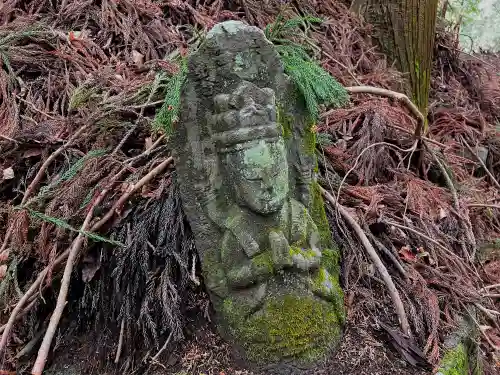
{"x": 248, "y": 114}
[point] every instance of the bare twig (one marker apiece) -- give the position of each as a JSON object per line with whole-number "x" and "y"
{"x": 491, "y": 295}
{"x": 488, "y": 287}
{"x": 389, "y": 254}
{"x": 131, "y": 190}
{"x": 125, "y": 138}
{"x": 497, "y": 206}
{"x": 120, "y": 342}
{"x": 8, "y": 138}
{"x": 32, "y": 290}
{"x": 31, "y": 188}
{"x": 361, "y": 154}
{"x": 490, "y": 313}
{"x": 30, "y": 345}
{"x": 493, "y": 179}
{"x": 148, "y": 151}
{"x": 157, "y": 355}
{"x": 419, "y": 234}
{"x": 398, "y": 304}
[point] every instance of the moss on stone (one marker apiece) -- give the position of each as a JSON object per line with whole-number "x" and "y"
{"x": 327, "y": 285}
{"x": 455, "y": 362}
{"x": 318, "y": 214}
{"x": 263, "y": 261}
{"x": 300, "y": 328}
{"x": 286, "y": 123}
{"x": 330, "y": 259}
{"x": 310, "y": 141}
{"x": 306, "y": 253}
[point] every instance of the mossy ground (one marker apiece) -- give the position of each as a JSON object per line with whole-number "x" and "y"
{"x": 455, "y": 362}
{"x": 299, "y": 327}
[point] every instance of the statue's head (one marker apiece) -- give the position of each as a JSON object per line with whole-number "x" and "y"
{"x": 251, "y": 148}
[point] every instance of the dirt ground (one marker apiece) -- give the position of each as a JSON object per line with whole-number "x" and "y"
{"x": 362, "y": 352}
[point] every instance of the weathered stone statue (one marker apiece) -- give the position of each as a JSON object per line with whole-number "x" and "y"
{"x": 245, "y": 159}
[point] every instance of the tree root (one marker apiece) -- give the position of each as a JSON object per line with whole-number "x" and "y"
{"x": 394, "y": 95}
{"x": 398, "y": 304}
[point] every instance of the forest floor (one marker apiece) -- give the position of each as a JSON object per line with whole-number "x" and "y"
{"x": 84, "y": 165}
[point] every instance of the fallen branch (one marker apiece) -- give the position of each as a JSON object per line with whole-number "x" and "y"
{"x": 43, "y": 352}
{"x": 398, "y": 304}
{"x": 61, "y": 258}
{"x": 466, "y": 224}
{"x": 132, "y": 189}
{"x": 493, "y": 179}
{"x": 394, "y": 95}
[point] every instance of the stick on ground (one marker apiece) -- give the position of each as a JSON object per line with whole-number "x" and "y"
{"x": 73, "y": 252}
{"x": 398, "y": 304}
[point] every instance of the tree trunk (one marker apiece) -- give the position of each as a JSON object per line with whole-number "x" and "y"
{"x": 405, "y": 30}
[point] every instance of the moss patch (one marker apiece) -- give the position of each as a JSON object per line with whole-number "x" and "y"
{"x": 330, "y": 259}
{"x": 263, "y": 261}
{"x": 286, "y": 123}
{"x": 300, "y": 328}
{"x": 318, "y": 214}
{"x": 327, "y": 285}
{"x": 455, "y": 362}
{"x": 310, "y": 141}
{"x": 306, "y": 253}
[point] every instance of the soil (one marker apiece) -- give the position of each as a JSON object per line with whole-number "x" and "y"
{"x": 362, "y": 352}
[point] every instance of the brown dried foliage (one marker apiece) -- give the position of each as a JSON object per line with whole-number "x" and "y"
{"x": 102, "y": 57}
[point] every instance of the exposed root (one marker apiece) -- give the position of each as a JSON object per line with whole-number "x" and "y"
{"x": 398, "y": 303}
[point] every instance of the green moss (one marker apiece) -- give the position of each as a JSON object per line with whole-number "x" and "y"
{"x": 310, "y": 141}
{"x": 263, "y": 260}
{"x": 285, "y": 121}
{"x": 318, "y": 214}
{"x": 455, "y": 362}
{"x": 299, "y": 328}
{"x": 330, "y": 259}
{"x": 306, "y": 253}
{"x": 327, "y": 286}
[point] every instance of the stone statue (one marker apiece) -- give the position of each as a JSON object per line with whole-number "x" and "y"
{"x": 245, "y": 159}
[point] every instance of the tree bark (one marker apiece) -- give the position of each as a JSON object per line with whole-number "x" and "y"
{"x": 405, "y": 29}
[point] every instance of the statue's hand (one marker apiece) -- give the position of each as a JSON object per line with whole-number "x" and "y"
{"x": 280, "y": 250}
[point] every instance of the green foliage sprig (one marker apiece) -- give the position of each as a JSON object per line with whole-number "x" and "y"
{"x": 63, "y": 224}
{"x": 168, "y": 115}
{"x": 316, "y": 85}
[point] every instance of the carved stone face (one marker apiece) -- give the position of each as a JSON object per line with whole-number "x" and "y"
{"x": 259, "y": 175}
